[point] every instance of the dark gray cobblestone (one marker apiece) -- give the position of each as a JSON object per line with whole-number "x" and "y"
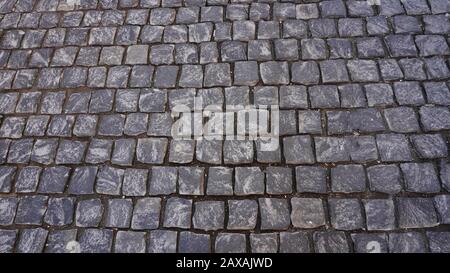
{"x": 88, "y": 92}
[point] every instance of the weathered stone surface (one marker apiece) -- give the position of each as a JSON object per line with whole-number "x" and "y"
{"x": 442, "y": 206}
{"x": 89, "y": 213}
{"x": 409, "y": 242}
{"x": 135, "y": 124}
{"x": 230, "y": 243}
{"x": 294, "y": 242}
{"x": 20, "y": 151}
{"x": 362, "y": 148}
{"x": 31, "y": 209}
{"x": 348, "y": 178}
{"x": 246, "y": 73}
{"x": 208, "y": 215}
{"x": 27, "y": 179}
{"x": 162, "y": 241}
{"x": 439, "y": 242}
{"x": 274, "y": 73}
{"x": 99, "y": 151}
{"x": 248, "y": 180}
{"x": 233, "y": 51}
{"x": 191, "y": 180}
{"x": 393, "y": 147}
{"x": 32, "y": 240}
{"x": 363, "y": 70}
{"x": 242, "y": 214}
{"x": 330, "y": 242}
{"x": 279, "y": 180}
{"x": 112, "y": 136}
{"x": 129, "y": 242}
{"x": 123, "y": 152}
{"x": 401, "y": 45}
{"x": 163, "y": 180}
{"x": 324, "y": 96}
{"x": 60, "y": 211}
{"x": 119, "y": 213}
{"x": 8, "y": 206}
{"x": 82, "y": 180}
{"x": 307, "y": 212}
{"x": 7, "y": 240}
{"x": 370, "y": 243}
{"x": 109, "y": 180}
{"x": 420, "y": 177}
{"x": 434, "y": 118}
{"x": 379, "y": 94}
{"x": 191, "y": 242}
{"x": 430, "y": 146}
{"x": 217, "y": 75}
{"x": 151, "y": 150}
{"x": 346, "y": 214}
{"x": 70, "y": 152}
{"x": 416, "y": 212}
{"x": 96, "y": 241}
{"x": 401, "y": 120}
{"x": 135, "y": 182}
{"x": 380, "y": 214}
{"x": 264, "y": 243}
{"x": 85, "y": 125}
{"x": 220, "y": 181}
{"x": 331, "y": 149}
{"x": 385, "y": 178}
{"x": 178, "y": 213}
{"x": 274, "y": 213}
{"x": 146, "y": 213}
{"x": 12, "y": 127}
{"x": 298, "y": 150}
{"x": 293, "y": 96}
{"x": 209, "y": 151}
{"x": 309, "y": 122}
{"x": 311, "y": 179}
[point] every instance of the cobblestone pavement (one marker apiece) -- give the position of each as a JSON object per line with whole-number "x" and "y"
{"x": 87, "y": 158}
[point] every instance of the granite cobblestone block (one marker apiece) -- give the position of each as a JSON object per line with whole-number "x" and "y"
{"x": 88, "y": 101}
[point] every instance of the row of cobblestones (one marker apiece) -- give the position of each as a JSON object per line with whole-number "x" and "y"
{"x": 89, "y": 91}
{"x": 150, "y": 100}
{"x": 306, "y": 213}
{"x": 197, "y": 33}
{"x": 169, "y": 241}
{"x": 297, "y": 149}
{"x": 246, "y": 73}
{"x": 274, "y": 180}
{"x": 281, "y": 10}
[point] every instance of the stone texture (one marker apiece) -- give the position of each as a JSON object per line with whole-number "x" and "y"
{"x": 274, "y": 213}
{"x": 307, "y": 212}
{"x": 264, "y": 243}
{"x": 348, "y": 178}
{"x": 380, "y": 214}
{"x": 385, "y": 178}
{"x": 420, "y": 177}
{"x": 242, "y": 214}
{"x": 416, "y": 212}
{"x": 230, "y": 243}
{"x": 330, "y": 242}
{"x": 178, "y": 213}
{"x": 113, "y": 136}
{"x": 248, "y": 180}
{"x": 89, "y": 213}
{"x": 409, "y": 242}
{"x": 346, "y": 214}
{"x": 208, "y": 215}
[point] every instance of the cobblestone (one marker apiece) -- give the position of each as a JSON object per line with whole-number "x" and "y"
{"x": 90, "y": 94}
